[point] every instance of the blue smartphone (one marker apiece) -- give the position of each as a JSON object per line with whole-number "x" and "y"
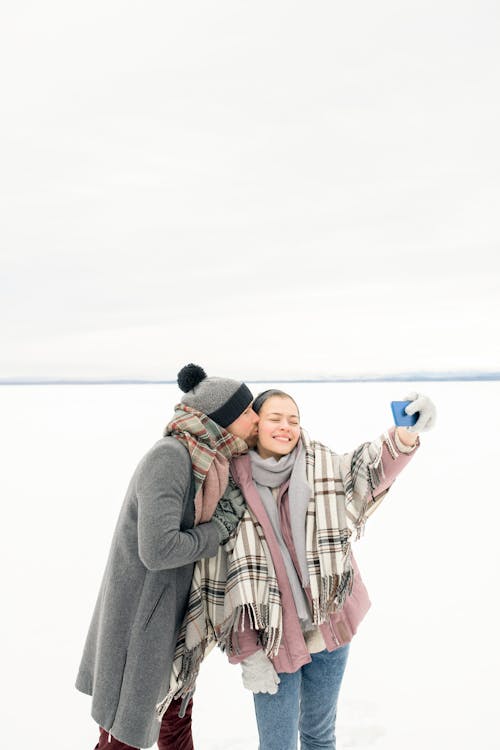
{"x": 401, "y": 419}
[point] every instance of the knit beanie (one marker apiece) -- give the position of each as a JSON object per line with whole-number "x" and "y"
{"x": 221, "y": 399}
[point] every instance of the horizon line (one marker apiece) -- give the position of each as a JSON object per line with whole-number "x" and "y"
{"x": 368, "y": 378}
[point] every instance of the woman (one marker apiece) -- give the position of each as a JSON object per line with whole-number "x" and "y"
{"x": 290, "y": 594}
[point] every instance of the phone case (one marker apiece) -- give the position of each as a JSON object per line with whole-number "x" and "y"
{"x": 401, "y": 419}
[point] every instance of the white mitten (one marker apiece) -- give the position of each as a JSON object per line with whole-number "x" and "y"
{"x": 426, "y": 409}
{"x": 259, "y": 675}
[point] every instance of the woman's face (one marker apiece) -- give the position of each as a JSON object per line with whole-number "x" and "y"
{"x": 279, "y": 427}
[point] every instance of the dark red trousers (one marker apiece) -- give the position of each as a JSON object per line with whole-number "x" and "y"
{"x": 175, "y": 733}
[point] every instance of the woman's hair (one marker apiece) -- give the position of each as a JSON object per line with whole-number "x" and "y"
{"x": 262, "y": 398}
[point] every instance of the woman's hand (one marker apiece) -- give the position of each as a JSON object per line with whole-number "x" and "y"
{"x": 259, "y": 675}
{"x": 426, "y": 413}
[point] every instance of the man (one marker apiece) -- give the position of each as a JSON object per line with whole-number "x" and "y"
{"x": 171, "y": 517}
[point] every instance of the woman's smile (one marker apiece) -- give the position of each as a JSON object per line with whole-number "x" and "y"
{"x": 279, "y": 427}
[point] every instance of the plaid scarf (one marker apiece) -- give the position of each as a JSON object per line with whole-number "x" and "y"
{"x": 241, "y": 578}
{"x": 210, "y": 447}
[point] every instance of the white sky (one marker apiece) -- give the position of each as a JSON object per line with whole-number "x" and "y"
{"x": 272, "y": 189}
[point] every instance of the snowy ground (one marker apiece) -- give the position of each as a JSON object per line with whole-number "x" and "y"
{"x": 423, "y": 669}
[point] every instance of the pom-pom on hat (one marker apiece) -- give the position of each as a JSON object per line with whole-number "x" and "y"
{"x": 221, "y": 399}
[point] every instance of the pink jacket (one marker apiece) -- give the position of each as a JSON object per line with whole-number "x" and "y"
{"x": 341, "y": 626}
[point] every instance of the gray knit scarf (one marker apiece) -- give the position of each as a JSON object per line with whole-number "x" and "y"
{"x": 269, "y": 474}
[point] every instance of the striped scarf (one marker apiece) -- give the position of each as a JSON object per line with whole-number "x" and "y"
{"x": 241, "y": 578}
{"x": 210, "y": 447}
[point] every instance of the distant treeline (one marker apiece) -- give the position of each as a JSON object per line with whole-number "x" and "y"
{"x": 388, "y": 377}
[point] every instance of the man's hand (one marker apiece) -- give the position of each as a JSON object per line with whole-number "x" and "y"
{"x": 426, "y": 409}
{"x": 229, "y": 511}
{"x": 259, "y": 675}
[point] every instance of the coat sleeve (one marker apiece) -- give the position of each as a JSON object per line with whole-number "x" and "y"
{"x": 162, "y": 481}
{"x": 368, "y": 472}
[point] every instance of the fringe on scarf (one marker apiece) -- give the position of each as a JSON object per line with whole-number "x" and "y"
{"x": 226, "y": 638}
{"x": 334, "y": 591}
{"x": 268, "y": 636}
{"x": 186, "y": 679}
{"x": 374, "y": 473}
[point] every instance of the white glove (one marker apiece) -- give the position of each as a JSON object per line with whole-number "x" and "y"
{"x": 426, "y": 409}
{"x": 259, "y": 675}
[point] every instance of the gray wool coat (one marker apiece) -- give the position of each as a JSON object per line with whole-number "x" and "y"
{"x": 130, "y": 645}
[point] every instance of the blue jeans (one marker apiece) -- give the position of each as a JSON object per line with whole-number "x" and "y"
{"x": 306, "y": 702}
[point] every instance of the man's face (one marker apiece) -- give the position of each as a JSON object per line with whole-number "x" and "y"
{"x": 245, "y": 427}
